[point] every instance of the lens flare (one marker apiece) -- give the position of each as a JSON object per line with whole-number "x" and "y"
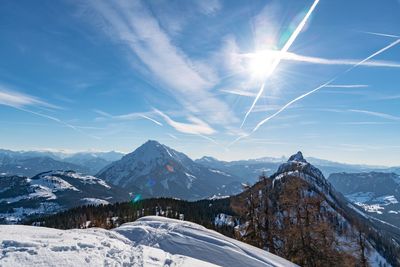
{"x": 136, "y": 198}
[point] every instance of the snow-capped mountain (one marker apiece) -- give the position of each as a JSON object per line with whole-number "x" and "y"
{"x": 46, "y": 193}
{"x": 31, "y": 166}
{"x": 246, "y": 170}
{"x": 149, "y": 241}
{"x": 377, "y": 193}
{"x": 332, "y": 205}
{"x": 249, "y": 170}
{"x": 156, "y": 170}
{"x": 30, "y": 163}
{"x": 93, "y": 161}
{"x": 297, "y": 166}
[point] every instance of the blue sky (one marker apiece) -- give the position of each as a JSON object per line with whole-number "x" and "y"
{"x": 104, "y": 75}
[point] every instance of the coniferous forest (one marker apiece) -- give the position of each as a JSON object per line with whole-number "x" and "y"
{"x": 288, "y": 219}
{"x": 201, "y": 212}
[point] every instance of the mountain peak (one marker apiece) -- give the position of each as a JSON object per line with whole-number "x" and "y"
{"x": 297, "y": 157}
{"x": 157, "y": 170}
{"x": 208, "y": 159}
{"x": 152, "y": 143}
{"x": 152, "y": 150}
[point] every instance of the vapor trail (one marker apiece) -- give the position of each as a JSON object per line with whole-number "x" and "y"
{"x": 58, "y": 121}
{"x": 325, "y": 84}
{"x": 290, "y": 103}
{"x": 150, "y": 119}
{"x": 276, "y": 62}
{"x": 209, "y": 139}
{"x": 383, "y": 34}
{"x": 314, "y": 90}
{"x": 254, "y": 103}
{"x": 373, "y": 55}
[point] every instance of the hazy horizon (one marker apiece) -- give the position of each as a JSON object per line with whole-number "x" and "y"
{"x": 70, "y": 152}
{"x": 228, "y": 79}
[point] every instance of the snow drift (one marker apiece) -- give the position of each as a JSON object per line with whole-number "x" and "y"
{"x": 149, "y": 241}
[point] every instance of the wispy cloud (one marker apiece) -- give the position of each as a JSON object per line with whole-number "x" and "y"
{"x": 75, "y": 128}
{"x": 209, "y": 7}
{"x": 324, "y": 85}
{"x": 285, "y": 48}
{"x": 22, "y": 101}
{"x": 364, "y": 123}
{"x": 390, "y": 97}
{"x": 189, "y": 81}
{"x": 376, "y": 114}
{"x": 317, "y": 89}
{"x": 16, "y": 99}
{"x": 196, "y": 126}
{"x": 129, "y": 116}
{"x": 102, "y": 113}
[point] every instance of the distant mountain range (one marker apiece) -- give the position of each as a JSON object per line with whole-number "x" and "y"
{"x": 249, "y": 170}
{"x": 376, "y": 193}
{"x": 156, "y": 170}
{"x": 30, "y": 163}
{"x": 312, "y": 196}
{"x": 50, "y": 192}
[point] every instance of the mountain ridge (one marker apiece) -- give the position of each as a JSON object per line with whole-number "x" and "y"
{"x": 159, "y": 170}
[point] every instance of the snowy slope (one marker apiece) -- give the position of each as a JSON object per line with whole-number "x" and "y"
{"x": 150, "y": 241}
{"x": 50, "y": 192}
{"x": 376, "y": 193}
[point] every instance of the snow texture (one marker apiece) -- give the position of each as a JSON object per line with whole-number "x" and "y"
{"x": 150, "y": 241}
{"x": 94, "y": 201}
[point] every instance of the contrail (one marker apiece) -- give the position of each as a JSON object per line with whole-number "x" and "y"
{"x": 238, "y": 139}
{"x": 209, "y": 139}
{"x": 172, "y": 136}
{"x": 373, "y": 55}
{"x": 254, "y": 103}
{"x": 347, "y": 86}
{"x": 325, "y": 84}
{"x": 325, "y": 61}
{"x": 150, "y": 119}
{"x": 382, "y": 34}
{"x": 290, "y": 103}
{"x": 276, "y": 62}
{"x": 58, "y": 121}
{"x": 314, "y": 90}
{"x": 377, "y": 114}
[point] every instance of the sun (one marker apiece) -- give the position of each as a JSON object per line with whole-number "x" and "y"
{"x": 261, "y": 63}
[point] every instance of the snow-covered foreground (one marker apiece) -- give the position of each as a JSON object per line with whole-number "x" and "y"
{"x": 150, "y": 241}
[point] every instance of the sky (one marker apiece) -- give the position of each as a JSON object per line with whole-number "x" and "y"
{"x": 229, "y": 79}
